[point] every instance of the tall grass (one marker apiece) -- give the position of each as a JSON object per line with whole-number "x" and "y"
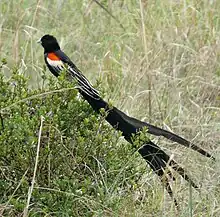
{"x": 162, "y": 67}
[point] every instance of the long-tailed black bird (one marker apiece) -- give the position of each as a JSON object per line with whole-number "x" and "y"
{"x": 158, "y": 160}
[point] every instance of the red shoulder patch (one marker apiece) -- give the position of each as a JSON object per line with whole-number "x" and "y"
{"x": 53, "y": 56}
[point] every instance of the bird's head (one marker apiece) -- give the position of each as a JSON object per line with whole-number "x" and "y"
{"x": 49, "y": 43}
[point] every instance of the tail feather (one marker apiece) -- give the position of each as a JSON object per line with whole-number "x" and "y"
{"x": 138, "y": 125}
{"x": 182, "y": 172}
{"x": 173, "y": 137}
{"x": 160, "y": 162}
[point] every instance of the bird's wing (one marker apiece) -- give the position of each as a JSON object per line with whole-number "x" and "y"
{"x": 84, "y": 84}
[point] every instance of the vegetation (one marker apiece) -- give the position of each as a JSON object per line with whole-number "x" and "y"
{"x": 162, "y": 66}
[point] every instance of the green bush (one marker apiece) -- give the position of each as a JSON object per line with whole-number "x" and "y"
{"x": 83, "y": 168}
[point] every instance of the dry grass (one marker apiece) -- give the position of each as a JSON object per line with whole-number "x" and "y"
{"x": 163, "y": 67}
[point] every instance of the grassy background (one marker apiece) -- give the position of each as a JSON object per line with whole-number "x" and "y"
{"x": 163, "y": 67}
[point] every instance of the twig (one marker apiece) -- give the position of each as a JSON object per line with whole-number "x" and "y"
{"x": 37, "y": 95}
{"x": 35, "y": 170}
{"x": 2, "y": 123}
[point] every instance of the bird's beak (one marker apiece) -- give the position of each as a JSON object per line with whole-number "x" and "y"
{"x": 39, "y": 41}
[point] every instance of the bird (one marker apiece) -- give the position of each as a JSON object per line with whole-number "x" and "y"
{"x": 158, "y": 160}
